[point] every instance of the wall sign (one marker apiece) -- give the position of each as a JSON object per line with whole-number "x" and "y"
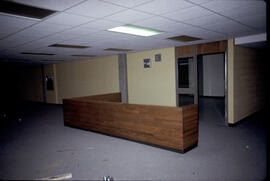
{"x": 158, "y": 57}
{"x": 147, "y": 63}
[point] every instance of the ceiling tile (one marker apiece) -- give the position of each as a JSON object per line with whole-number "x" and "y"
{"x": 95, "y": 8}
{"x": 218, "y": 6}
{"x": 200, "y": 1}
{"x": 62, "y": 36}
{"x": 127, "y": 3}
{"x": 109, "y": 35}
{"x": 159, "y": 7}
{"x": 68, "y": 19}
{"x": 228, "y": 27}
{"x": 129, "y": 16}
{"x": 256, "y": 21}
{"x": 86, "y": 23}
{"x": 187, "y": 14}
{"x": 202, "y": 33}
{"x": 57, "y": 50}
{"x": 175, "y": 28}
{"x": 250, "y": 8}
{"x": 15, "y": 40}
{"x": 205, "y": 20}
{"x": 155, "y": 22}
{"x": 102, "y": 24}
{"x": 86, "y": 39}
{"x": 16, "y": 22}
{"x": 43, "y": 29}
{"x": 58, "y": 5}
{"x": 80, "y": 31}
{"x": 7, "y": 31}
{"x": 36, "y": 44}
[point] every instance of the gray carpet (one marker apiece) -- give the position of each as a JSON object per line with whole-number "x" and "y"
{"x": 39, "y": 145}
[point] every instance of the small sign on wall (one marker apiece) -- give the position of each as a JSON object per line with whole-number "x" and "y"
{"x": 158, "y": 57}
{"x": 147, "y": 63}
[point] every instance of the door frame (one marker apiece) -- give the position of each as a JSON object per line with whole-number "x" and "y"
{"x": 194, "y": 89}
{"x": 218, "y": 50}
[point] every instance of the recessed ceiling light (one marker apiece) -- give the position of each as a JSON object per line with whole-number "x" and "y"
{"x": 184, "y": 38}
{"x": 30, "y": 53}
{"x": 16, "y": 9}
{"x": 117, "y": 49}
{"x": 83, "y": 55}
{"x": 69, "y": 46}
{"x": 135, "y": 30}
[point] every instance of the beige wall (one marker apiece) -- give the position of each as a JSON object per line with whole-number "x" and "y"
{"x": 51, "y": 95}
{"x": 152, "y": 86}
{"x": 248, "y": 82}
{"x": 245, "y": 82}
{"x": 84, "y": 78}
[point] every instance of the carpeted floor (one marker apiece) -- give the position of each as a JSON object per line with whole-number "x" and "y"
{"x": 34, "y": 143}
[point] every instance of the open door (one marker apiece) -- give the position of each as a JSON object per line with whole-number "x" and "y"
{"x": 186, "y": 75}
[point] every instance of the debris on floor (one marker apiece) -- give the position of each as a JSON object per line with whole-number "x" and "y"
{"x": 107, "y": 178}
{"x": 58, "y": 177}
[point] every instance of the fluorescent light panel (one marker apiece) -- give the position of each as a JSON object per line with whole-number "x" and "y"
{"x": 135, "y": 30}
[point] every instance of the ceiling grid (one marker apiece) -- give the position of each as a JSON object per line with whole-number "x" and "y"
{"x": 86, "y": 23}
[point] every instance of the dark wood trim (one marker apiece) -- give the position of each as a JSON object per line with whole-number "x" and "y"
{"x": 204, "y": 48}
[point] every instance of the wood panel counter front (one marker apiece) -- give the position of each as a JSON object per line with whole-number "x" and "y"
{"x": 173, "y": 128}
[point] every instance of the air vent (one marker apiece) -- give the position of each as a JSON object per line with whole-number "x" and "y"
{"x": 184, "y": 38}
{"x": 69, "y": 46}
{"x": 83, "y": 55}
{"x": 117, "y": 49}
{"x": 38, "y": 53}
{"x": 17, "y": 9}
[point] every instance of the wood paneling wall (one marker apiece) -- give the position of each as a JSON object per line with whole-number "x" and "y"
{"x": 205, "y": 48}
{"x": 185, "y": 50}
{"x": 168, "y": 127}
{"x": 213, "y": 47}
{"x": 249, "y": 85}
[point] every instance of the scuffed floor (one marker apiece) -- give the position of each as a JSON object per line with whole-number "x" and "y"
{"x": 39, "y": 145}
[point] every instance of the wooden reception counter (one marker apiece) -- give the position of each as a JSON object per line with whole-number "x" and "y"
{"x": 174, "y": 128}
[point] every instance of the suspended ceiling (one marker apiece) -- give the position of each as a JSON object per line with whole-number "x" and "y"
{"x": 85, "y": 23}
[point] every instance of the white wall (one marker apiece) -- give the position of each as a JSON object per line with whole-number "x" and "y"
{"x": 213, "y": 75}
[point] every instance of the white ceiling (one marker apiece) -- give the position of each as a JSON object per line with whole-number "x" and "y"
{"x": 85, "y": 22}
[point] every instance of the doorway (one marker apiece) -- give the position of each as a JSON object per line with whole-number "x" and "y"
{"x": 201, "y": 79}
{"x": 186, "y": 90}
{"x": 211, "y": 85}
